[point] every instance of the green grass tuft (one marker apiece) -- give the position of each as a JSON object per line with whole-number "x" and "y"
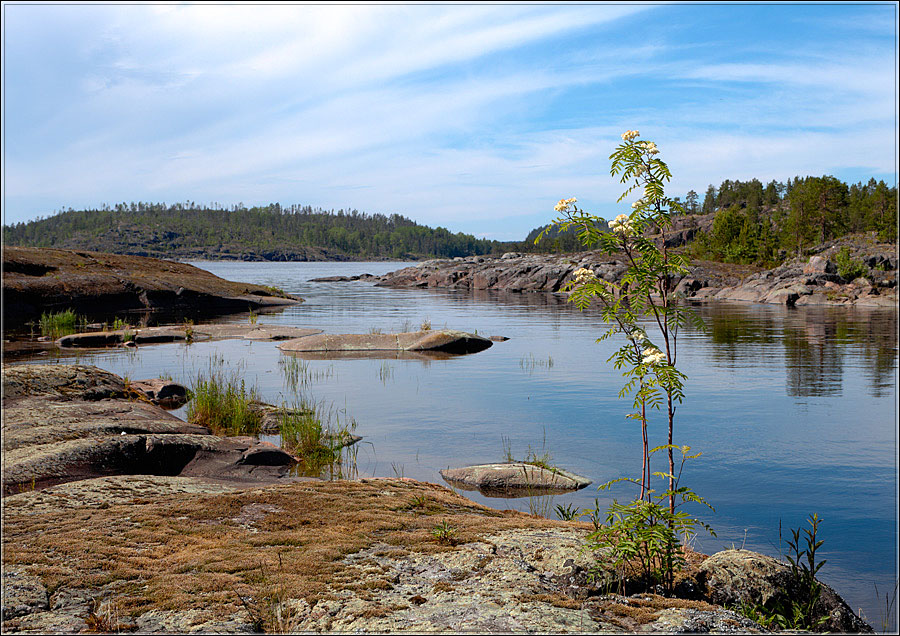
{"x": 317, "y": 437}
{"x": 221, "y": 401}
{"x": 60, "y": 324}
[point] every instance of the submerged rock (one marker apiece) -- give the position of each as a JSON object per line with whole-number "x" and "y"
{"x": 513, "y": 479}
{"x": 439, "y": 340}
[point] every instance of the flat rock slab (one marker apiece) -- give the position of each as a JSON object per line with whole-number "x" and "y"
{"x": 382, "y": 354}
{"x": 513, "y": 479}
{"x": 79, "y": 381}
{"x": 181, "y": 333}
{"x": 63, "y": 423}
{"x": 443, "y": 340}
{"x": 341, "y": 279}
{"x": 48, "y": 280}
{"x": 102, "y": 492}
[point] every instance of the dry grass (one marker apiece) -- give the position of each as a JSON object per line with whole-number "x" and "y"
{"x": 643, "y": 609}
{"x": 200, "y": 552}
{"x": 555, "y": 599}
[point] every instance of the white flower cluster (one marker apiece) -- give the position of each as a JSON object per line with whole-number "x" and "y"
{"x": 637, "y": 336}
{"x": 628, "y": 135}
{"x": 583, "y": 275}
{"x": 621, "y": 224}
{"x": 637, "y": 203}
{"x": 649, "y": 147}
{"x": 652, "y": 355}
{"x": 564, "y": 204}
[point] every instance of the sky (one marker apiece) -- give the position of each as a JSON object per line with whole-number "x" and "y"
{"x": 477, "y": 118}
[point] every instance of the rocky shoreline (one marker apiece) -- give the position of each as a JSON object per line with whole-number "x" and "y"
{"x": 64, "y": 423}
{"x": 813, "y": 280}
{"x": 120, "y": 517}
{"x": 96, "y": 283}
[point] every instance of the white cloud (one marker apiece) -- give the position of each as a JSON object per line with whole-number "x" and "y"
{"x": 865, "y": 76}
{"x": 415, "y": 109}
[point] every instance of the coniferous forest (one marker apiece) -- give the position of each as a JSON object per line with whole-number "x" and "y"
{"x": 751, "y": 223}
{"x": 740, "y": 222}
{"x": 272, "y": 232}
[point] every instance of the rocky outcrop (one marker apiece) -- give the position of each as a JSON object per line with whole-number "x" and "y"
{"x": 182, "y": 333}
{"x": 165, "y": 393}
{"x": 816, "y": 280}
{"x": 69, "y": 422}
{"x": 511, "y": 272}
{"x": 802, "y": 281}
{"x": 182, "y": 555}
{"x": 159, "y": 554}
{"x": 736, "y": 577}
{"x": 513, "y": 479}
{"x": 341, "y": 279}
{"x": 439, "y": 340}
{"x": 94, "y": 283}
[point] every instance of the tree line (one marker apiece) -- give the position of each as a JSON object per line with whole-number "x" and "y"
{"x": 767, "y": 223}
{"x": 764, "y": 225}
{"x": 179, "y": 228}
{"x": 752, "y": 223}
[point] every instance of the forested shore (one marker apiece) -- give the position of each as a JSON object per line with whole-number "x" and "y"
{"x": 268, "y": 233}
{"x": 743, "y": 222}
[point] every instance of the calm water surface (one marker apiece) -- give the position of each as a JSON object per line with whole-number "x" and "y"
{"x": 793, "y": 410}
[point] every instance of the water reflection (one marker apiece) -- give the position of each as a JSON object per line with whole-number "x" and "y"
{"x": 815, "y": 342}
{"x": 380, "y": 354}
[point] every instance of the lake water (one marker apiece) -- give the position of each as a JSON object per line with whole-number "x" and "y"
{"x": 794, "y": 410}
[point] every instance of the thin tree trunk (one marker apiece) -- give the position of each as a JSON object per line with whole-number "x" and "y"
{"x": 645, "y": 464}
{"x": 671, "y": 413}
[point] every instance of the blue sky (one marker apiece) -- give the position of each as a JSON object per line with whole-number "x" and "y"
{"x": 475, "y": 118}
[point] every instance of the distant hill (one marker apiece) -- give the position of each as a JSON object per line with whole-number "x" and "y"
{"x": 272, "y": 233}
{"x": 738, "y": 222}
{"x": 554, "y": 240}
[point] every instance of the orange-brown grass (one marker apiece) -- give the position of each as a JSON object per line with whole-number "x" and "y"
{"x": 643, "y": 609}
{"x": 199, "y": 552}
{"x": 556, "y": 599}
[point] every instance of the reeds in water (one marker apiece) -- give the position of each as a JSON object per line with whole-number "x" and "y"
{"x": 221, "y": 401}
{"x": 318, "y": 436}
{"x": 56, "y": 325}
